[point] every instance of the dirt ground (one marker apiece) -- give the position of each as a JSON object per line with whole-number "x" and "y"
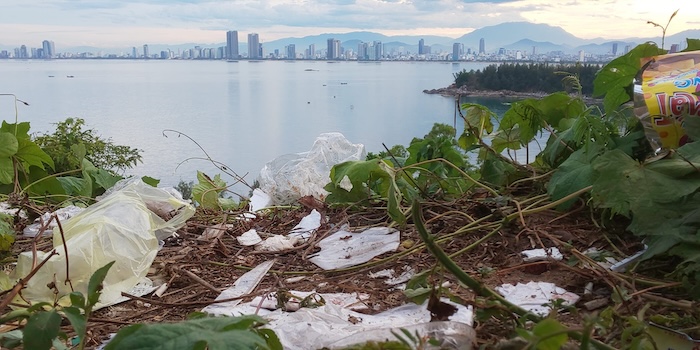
{"x": 196, "y": 269}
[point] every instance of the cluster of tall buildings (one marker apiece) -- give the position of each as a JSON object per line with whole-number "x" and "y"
{"x": 46, "y": 51}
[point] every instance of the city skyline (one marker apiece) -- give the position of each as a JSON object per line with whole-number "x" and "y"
{"x": 102, "y": 23}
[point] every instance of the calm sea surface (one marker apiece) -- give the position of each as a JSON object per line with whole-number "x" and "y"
{"x": 243, "y": 114}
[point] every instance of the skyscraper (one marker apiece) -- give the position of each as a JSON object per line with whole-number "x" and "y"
{"x": 48, "y": 49}
{"x": 614, "y": 49}
{"x": 457, "y": 50}
{"x": 134, "y": 52}
{"x": 421, "y": 47}
{"x": 254, "y": 46}
{"x": 291, "y": 52}
{"x": 333, "y": 49}
{"x": 232, "y": 44}
{"x": 482, "y": 47}
{"x": 146, "y": 54}
{"x": 312, "y": 51}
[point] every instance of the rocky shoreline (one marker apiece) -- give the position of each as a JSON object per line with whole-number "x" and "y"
{"x": 454, "y": 91}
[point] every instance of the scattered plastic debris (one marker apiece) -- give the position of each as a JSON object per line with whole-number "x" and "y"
{"x": 533, "y": 295}
{"x": 295, "y": 300}
{"x": 541, "y": 254}
{"x": 290, "y": 177}
{"x": 249, "y": 238}
{"x": 667, "y": 338}
{"x": 243, "y": 285}
{"x": 391, "y": 278}
{"x": 62, "y": 214}
{"x": 121, "y": 228}
{"x": 622, "y": 265}
{"x": 307, "y": 225}
{"x": 5, "y": 208}
{"x": 278, "y": 243}
{"x": 345, "y": 249}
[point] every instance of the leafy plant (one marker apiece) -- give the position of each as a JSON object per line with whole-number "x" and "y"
{"x": 242, "y": 332}
{"x": 71, "y": 142}
{"x": 7, "y": 234}
{"x": 43, "y": 327}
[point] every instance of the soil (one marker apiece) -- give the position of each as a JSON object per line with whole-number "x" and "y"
{"x": 220, "y": 261}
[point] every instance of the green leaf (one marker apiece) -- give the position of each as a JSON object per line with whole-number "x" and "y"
{"x": 8, "y": 144}
{"x": 95, "y": 284}
{"x": 7, "y": 235}
{"x": 623, "y": 184}
{"x": 79, "y": 151}
{"x": 76, "y": 186}
{"x": 11, "y": 339}
{"x": 614, "y": 78}
{"x": 214, "y": 333}
{"x": 20, "y": 130}
{"x": 31, "y": 154}
{"x": 77, "y": 320}
{"x": 693, "y": 45}
{"x": 509, "y": 139}
{"x": 497, "y": 171}
{"x": 545, "y": 330}
{"x": 77, "y": 299}
{"x": 365, "y": 177}
{"x": 41, "y": 329}
{"x": 206, "y": 191}
{"x": 7, "y": 171}
{"x": 150, "y": 181}
{"x": 574, "y": 174}
{"x": 105, "y": 179}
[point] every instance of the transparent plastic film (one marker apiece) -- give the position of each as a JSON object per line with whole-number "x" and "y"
{"x": 666, "y": 94}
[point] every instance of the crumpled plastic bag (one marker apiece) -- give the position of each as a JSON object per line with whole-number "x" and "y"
{"x": 290, "y": 177}
{"x": 122, "y": 228}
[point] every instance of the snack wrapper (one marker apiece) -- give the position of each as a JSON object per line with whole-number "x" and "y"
{"x": 668, "y": 93}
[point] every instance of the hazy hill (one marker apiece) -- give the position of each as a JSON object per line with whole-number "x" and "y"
{"x": 513, "y": 35}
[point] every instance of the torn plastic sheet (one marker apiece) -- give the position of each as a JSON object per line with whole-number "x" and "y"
{"x": 6, "y": 208}
{"x": 294, "y": 300}
{"x": 323, "y": 326}
{"x": 448, "y": 334}
{"x": 532, "y": 295}
{"x": 390, "y": 275}
{"x": 278, "y": 243}
{"x": 541, "y": 254}
{"x": 243, "y": 285}
{"x": 62, "y": 214}
{"x": 307, "y": 225}
{"x": 344, "y": 249}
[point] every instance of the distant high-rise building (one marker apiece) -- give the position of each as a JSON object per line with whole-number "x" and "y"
{"x": 232, "y": 44}
{"x": 333, "y": 52}
{"x": 47, "y": 49}
{"x": 457, "y": 51}
{"x": 291, "y": 52}
{"x": 254, "y": 46}
{"x": 581, "y": 56}
{"x": 534, "y": 50}
{"x": 362, "y": 53}
{"x": 421, "y": 47}
{"x": 378, "y": 50}
{"x": 482, "y": 46}
{"x": 23, "y": 52}
{"x": 134, "y": 52}
{"x": 674, "y": 48}
{"x": 312, "y": 51}
{"x": 146, "y": 54}
{"x": 627, "y": 49}
{"x": 614, "y": 49}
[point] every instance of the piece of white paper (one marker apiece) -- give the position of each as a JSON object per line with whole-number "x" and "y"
{"x": 532, "y": 296}
{"x": 244, "y": 285}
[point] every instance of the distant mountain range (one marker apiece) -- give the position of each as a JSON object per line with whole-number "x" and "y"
{"x": 512, "y": 35}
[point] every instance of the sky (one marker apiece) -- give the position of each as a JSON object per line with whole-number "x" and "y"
{"x": 126, "y": 23}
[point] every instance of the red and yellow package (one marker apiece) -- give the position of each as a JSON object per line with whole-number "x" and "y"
{"x": 667, "y": 94}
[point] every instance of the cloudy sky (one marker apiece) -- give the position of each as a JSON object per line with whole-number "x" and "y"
{"x": 115, "y": 23}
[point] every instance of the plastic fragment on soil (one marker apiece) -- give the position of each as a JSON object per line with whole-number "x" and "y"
{"x": 532, "y": 295}
{"x": 249, "y": 238}
{"x": 307, "y": 225}
{"x": 278, "y": 243}
{"x": 344, "y": 249}
{"x": 62, "y": 214}
{"x": 390, "y": 275}
{"x": 622, "y": 265}
{"x": 541, "y": 254}
{"x": 294, "y": 300}
{"x": 315, "y": 328}
{"x": 5, "y": 208}
{"x": 244, "y": 285}
{"x": 667, "y": 338}
{"x": 213, "y": 232}
{"x": 260, "y": 200}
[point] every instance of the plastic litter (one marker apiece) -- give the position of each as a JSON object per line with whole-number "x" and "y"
{"x": 122, "y": 227}
{"x": 249, "y": 238}
{"x": 667, "y": 338}
{"x": 307, "y": 225}
{"x": 278, "y": 243}
{"x": 243, "y": 285}
{"x": 449, "y": 335}
{"x": 292, "y": 176}
{"x": 5, "y": 208}
{"x": 334, "y": 325}
{"x": 533, "y": 295}
{"x": 295, "y": 299}
{"x": 62, "y": 214}
{"x": 345, "y": 249}
{"x": 541, "y": 254}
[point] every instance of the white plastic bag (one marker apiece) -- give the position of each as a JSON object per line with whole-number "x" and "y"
{"x": 121, "y": 228}
{"x": 292, "y": 176}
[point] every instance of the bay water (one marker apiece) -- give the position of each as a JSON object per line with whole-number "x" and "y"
{"x": 243, "y": 114}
